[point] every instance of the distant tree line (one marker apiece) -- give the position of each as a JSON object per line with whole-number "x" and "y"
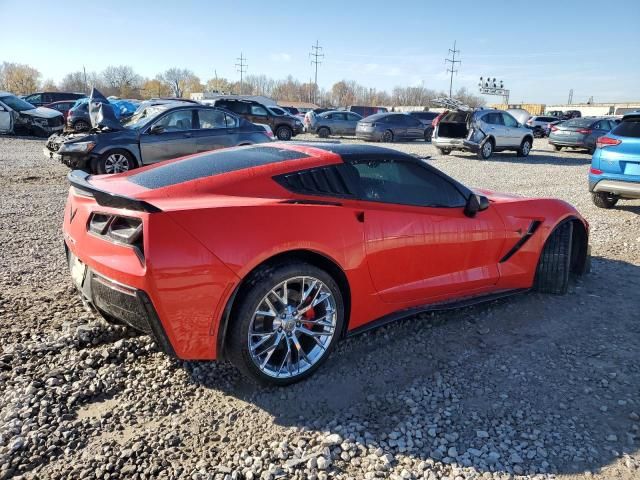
{"x": 122, "y": 81}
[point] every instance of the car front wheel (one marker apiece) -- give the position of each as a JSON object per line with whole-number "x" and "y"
{"x": 525, "y": 148}
{"x": 287, "y": 322}
{"x": 284, "y": 133}
{"x": 115, "y": 161}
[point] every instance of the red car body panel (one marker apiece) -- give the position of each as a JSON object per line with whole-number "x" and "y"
{"x": 213, "y": 231}
{"x": 63, "y": 106}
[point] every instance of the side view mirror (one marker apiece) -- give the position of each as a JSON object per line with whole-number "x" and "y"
{"x": 475, "y": 203}
{"x": 156, "y": 129}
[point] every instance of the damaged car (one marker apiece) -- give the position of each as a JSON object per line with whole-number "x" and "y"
{"x": 153, "y": 134}
{"x": 481, "y": 131}
{"x": 20, "y": 117}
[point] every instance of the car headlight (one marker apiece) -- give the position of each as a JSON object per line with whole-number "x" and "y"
{"x": 41, "y": 121}
{"x": 298, "y": 123}
{"x": 77, "y": 147}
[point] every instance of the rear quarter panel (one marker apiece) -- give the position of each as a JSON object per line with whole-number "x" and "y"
{"x": 244, "y": 237}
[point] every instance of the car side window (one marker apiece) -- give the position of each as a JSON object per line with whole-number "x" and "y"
{"x": 405, "y": 183}
{"x": 352, "y": 117}
{"x": 211, "y": 119}
{"x": 231, "y": 121}
{"x": 493, "y": 119}
{"x": 34, "y": 98}
{"x": 258, "y": 110}
{"x": 177, "y": 121}
{"x": 509, "y": 121}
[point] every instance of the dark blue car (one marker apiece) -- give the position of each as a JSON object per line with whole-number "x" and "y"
{"x": 615, "y": 166}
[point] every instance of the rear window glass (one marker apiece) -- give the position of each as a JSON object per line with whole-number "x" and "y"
{"x": 578, "y": 122}
{"x": 628, "y": 128}
{"x": 210, "y": 164}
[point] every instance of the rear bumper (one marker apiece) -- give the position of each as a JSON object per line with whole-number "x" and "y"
{"x": 615, "y": 187}
{"x": 122, "y": 303}
{"x": 371, "y": 136}
{"x": 568, "y": 143}
{"x": 453, "y": 143}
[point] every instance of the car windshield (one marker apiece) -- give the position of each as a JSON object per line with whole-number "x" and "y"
{"x": 143, "y": 117}
{"x": 16, "y": 103}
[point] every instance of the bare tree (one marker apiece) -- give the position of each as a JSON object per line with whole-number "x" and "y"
{"x": 177, "y": 79}
{"x": 122, "y": 80}
{"x": 18, "y": 78}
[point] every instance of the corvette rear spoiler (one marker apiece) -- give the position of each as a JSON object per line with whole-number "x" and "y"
{"x": 80, "y": 180}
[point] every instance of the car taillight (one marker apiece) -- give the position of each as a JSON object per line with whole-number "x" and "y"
{"x": 554, "y": 128}
{"x": 118, "y": 229}
{"x": 607, "y": 142}
{"x": 585, "y": 131}
{"x": 595, "y": 171}
{"x": 530, "y": 121}
{"x": 436, "y": 120}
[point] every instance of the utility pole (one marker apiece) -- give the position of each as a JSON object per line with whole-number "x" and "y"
{"x": 86, "y": 87}
{"x": 570, "y": 96}
{"x": 315, "y": 55}
{"x": 242, "y": 68}
{"x": 453, "y": 62}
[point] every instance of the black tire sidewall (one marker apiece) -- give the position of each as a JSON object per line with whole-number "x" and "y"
{"x": 387, "y": 136}
{"x": 257, "y": 287}
{"x": 323, "y": 132}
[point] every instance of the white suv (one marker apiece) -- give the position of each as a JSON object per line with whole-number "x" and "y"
{"x": 481, "y": 131}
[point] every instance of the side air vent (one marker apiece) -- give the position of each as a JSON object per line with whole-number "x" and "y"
{"x": 317, "y": 181}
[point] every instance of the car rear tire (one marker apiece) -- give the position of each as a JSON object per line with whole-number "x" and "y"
{"x": 284, "y": 133}
{"x": 557, "y": 148}
{"x": 115, "y": 161}
{"x": 554, "y": 265}
{"x": 604, "y": 200}
{"x": 323, "y": 132}
{"x": 280, "y": 338}
{"x": 81, "y": 126}
{"x": 486, "y": 150}
{"x": 525, "y": 148}
{"x": 387, "y": 136}
{"x": 427, "y": 135}
{"x": 443, "y": 151}
{"x": 591, "y": 150}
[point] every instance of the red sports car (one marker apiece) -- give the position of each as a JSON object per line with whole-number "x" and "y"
{"x": 267, "y": 255}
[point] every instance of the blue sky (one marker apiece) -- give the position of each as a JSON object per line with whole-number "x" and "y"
{"x": 541, "y": 49}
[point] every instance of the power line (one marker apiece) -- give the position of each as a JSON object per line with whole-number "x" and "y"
{"x": 315, "y": 54}
{"x": 453, "y": 62}
{"x": 242, "y": 68}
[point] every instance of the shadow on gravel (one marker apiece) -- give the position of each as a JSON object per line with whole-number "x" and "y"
{"x": 534, "y": 384}
{"x": 628, "y": 208}
{"x": 534, "y": 158}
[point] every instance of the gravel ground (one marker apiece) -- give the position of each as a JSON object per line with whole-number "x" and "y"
{"x": 535, "y": 386}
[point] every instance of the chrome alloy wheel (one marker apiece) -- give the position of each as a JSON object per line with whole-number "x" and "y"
{"x": 116, "y": 163}
{"x": 292, "y": 327}
{"x": 486, "y": 149}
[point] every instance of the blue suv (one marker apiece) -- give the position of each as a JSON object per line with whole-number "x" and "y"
{"x": 615, "y": 166}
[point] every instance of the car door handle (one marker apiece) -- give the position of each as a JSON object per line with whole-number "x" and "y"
{"x": 187, "y": 135}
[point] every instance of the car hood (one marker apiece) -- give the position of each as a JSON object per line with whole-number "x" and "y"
{"x": 101, "y": 113}
{"x": 499, "y": 197}
{"x": 42, "y": 112}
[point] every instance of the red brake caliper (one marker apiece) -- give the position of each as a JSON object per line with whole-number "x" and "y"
{"x": 309, "y": 315}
